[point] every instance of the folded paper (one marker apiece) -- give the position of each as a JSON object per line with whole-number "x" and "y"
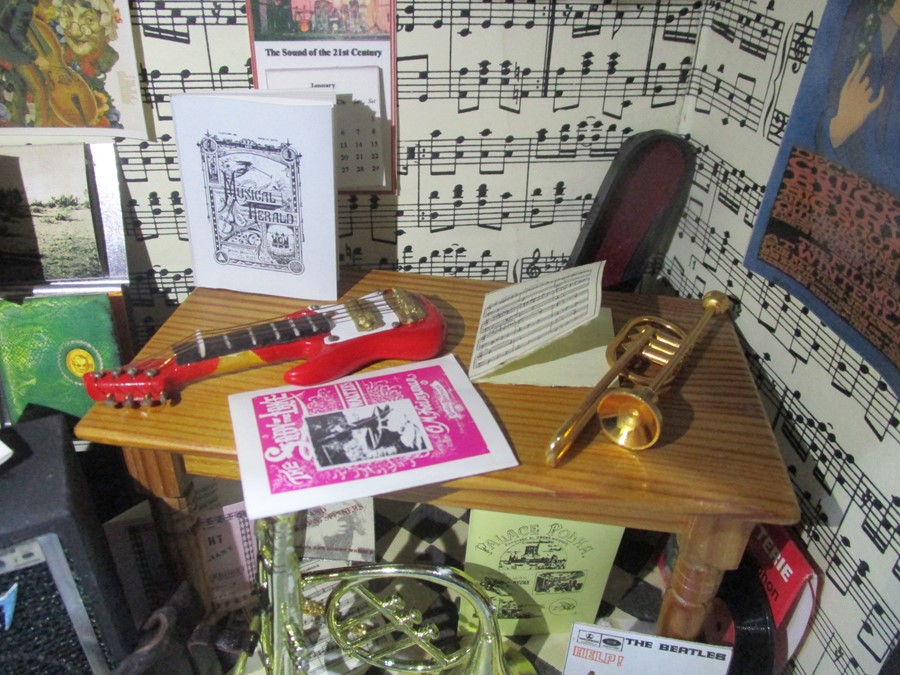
{"x": 549, "y": 331}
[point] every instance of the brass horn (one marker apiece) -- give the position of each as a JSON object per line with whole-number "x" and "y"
{"x": 367, "y": 619}
{"x": 647, "y": 352}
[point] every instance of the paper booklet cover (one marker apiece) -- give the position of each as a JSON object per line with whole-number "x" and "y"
{"x": 602, "y": 649}
{"x": 541, "y": 573}
{"x": 363, "y": 435}
{"x": 257, "y": 172}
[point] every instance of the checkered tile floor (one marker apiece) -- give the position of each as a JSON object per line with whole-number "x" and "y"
{"x": 408, "y": 533}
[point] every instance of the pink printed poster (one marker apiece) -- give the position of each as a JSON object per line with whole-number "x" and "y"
{"x": 363, "y": 435}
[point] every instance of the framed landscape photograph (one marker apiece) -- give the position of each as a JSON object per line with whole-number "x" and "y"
{"x": 61, "y": 228}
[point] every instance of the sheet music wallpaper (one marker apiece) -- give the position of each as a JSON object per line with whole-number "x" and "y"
{"x": 509, "y": 115}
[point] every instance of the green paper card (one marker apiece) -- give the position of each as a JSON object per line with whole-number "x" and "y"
{"x": 47, "y": 344}
{"x": 542, "y": 574}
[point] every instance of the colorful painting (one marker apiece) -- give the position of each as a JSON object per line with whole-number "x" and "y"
{"x": 47, "y": 344}
{"x": 829, "y": 225}
{"x": 68, "y": 64}
{"x": 317, "y": 19}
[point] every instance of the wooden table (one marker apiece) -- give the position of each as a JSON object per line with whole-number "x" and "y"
{"x": 715, "y": 472}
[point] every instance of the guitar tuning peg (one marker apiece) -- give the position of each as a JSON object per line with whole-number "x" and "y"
{"x": 129, "y": 401}
{"x": 163, "y": 397}
{"x": 147, "y": 401}
{"x": 132, "y": 371}
{"x": 110, "y": 401}
{"x": 152, "y": 372}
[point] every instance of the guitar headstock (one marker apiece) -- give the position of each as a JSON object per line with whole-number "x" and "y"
{"x": 143, "y": 384}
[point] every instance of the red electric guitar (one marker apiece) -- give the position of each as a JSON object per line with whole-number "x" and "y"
{"x": 335, "y": 340}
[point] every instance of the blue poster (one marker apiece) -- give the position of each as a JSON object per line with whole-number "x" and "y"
{"x": 828, "y": 229}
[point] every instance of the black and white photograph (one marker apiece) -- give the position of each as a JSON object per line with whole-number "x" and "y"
{"x": 47, "y": 230}
{"x": 366, "y": 434}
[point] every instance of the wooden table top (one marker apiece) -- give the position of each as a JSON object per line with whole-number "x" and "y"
{"x": 716, "y": 455}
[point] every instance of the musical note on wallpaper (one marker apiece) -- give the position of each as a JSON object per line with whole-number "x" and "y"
{"x": 588, "y": 140}
{"x": 836, "y": 649}
{"x": 172, "y": 20}
{"x": 158, "y": 86}
{"x": 141, "y": 159}
{"x": 465, "y": 206}
{"x": 759, "y": 35}
{"x": 800, "y": 333}
{"x": 539, "y": 264}
{"x": 801, "y": 41}
{"x": 157, "y": 219}
{"x": 509, "y": 86}
{"x": 824, "y": 525}
{"x": 156, "y": 282}
{"x": 454, "y": 261}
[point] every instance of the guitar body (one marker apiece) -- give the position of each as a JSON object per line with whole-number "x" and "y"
{"x": 333, "y": 341}
{"x": 327, "y": 361}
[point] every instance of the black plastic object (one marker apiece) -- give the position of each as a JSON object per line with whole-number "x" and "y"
{"x": 742, "y": 592}
{"x": 71, "y": 602}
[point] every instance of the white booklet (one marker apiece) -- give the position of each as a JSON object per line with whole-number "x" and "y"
{"x": 363, "y": 435}
{"x": 601, "y": 649}
{"x": 363, "y": 140}
{"x": 257, "y": 172}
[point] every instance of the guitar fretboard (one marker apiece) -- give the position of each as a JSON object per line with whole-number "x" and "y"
{"x": 209, "y": 346}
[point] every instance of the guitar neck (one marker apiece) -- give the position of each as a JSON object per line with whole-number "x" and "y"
{"x": 204, "y": 346}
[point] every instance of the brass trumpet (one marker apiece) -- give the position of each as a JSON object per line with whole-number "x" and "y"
{"x": 647, "y": 352}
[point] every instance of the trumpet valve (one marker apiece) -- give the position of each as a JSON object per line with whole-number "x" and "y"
{"x": 662, "y": 347}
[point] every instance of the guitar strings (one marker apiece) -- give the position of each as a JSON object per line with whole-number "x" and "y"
{"x": 336, "y": 315}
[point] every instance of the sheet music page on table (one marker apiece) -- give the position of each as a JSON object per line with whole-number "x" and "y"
{"x": 522, "y": 318}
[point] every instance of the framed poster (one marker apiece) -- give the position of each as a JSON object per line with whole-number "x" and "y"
{"x": 68, "y": 72}
{"x": 829, "y": 225}
{"x": 61, "y": 227}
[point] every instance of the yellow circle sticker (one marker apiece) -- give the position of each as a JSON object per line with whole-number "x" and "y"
{"x": 79, "y": 362}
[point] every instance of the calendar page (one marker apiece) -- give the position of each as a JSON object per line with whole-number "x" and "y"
{"x": 359, "y": 147}
{"x": 362, "y": 130}
{"x": 291, "y": 41}
{"x": 257, "y": 173}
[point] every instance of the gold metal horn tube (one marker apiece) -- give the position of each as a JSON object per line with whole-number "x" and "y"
{"x": 630, "y": 417}
{"x": 568, "y": 432}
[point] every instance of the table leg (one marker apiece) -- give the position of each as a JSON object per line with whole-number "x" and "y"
{"x": 708, "y": 548}
{"x": 170, "y": 490}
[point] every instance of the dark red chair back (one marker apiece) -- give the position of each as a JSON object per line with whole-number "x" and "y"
{"x": 634, "y": 215}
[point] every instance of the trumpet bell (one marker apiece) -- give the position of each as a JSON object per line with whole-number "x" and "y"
{"x": 630, "y": 418}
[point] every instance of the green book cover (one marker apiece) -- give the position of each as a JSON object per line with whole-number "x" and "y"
{"x": 47, "y": 344}
{"x": 542, "y": 574}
